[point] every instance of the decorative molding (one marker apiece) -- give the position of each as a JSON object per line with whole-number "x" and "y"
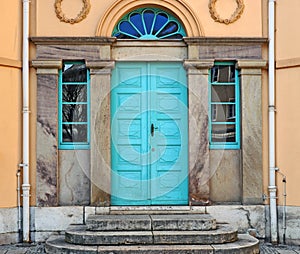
{"x": 288, "y": 63}
{"x": 252, "y": 64}
{"x": 100, "y": 64}
{"x": 71, "y": 40}
{"x": 199, "y": 64}
{"x": 180, "y": 8}
{"x": 47, "y": 67}
{"x": 100, "y": 67}
{"x": 7, "y": 62}
{"x": 82, "y": 14}
{"x": 225, "y": 40}
{"x": 234, "y": 17}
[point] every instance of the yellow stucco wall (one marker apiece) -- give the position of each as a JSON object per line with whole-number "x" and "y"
{"x": 287, "y": 98}
{"x": 287, "y": 25}
{"x": 10, "y": 148}
{"x": 49, "y": 25}
{"x": 288, "y": 135}
{"x": 10, "y": 100}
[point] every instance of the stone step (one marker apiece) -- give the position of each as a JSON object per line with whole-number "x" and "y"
{"x": 140, "y": 222}
{"x": 78, "y": 234}
{"x": 245, "y": 244}
{"x": 183, "y": 222}
{"x": 118, "y": 222}
{"x": 153, "y": 210}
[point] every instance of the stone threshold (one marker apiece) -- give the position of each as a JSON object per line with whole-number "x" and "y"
{"x": 152, "y": 209}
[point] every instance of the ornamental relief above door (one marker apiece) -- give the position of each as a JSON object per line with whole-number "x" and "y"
{"x": 212, "y": 8}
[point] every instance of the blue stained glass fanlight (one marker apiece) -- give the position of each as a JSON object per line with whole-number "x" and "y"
{"x": 148, "y": 24}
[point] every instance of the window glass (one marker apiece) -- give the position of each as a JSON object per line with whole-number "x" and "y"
{"x": 223, "y": 73}
{"x": 74, "y": 112}
{"x": 74, "y": 133}
{"x": 223, "y": 133}
{"x": 224, "y": 117}
{"x": 223, "y": 93}
{"x": 74, "y": 93}
{"x": 74, "y": 106}
{"x": 149, "y": 24}
{"x": 74, "y": 72}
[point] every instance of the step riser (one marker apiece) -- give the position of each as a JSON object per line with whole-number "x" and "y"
{"x": 142, "y": 238}
{"x": 148, "y": 239}
{"x": 119, "y": 226}
{"x": 194, "y": 239}
{"x": 148, "y": 222}
{"x": 246, "y": 245}
{"x": 158, "y": 237}
{"x": 57, "y": 250}
{"x": 180, "y": 222}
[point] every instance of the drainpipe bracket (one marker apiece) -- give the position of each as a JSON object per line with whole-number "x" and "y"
{"x": 22, "y": 165}
{"x": 272, "y": 188}
{"x": 272, "y": 108}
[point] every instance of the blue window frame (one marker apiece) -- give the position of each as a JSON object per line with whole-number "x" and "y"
{"x": 74, "y": 106}
{"x": 149, "y": 24}
{"x": 224, "y": 106}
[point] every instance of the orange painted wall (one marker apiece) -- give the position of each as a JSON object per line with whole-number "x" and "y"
{"x": 287, "y": 27}
{"x": 287, "y": 133}
{"x": 49, "y": 25}
{"x": 10, "y": 100}
{"x": 287, "y": 98}
{"x": 10, "y": 136}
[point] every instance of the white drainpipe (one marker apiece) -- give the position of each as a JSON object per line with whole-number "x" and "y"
{"x": 272, "y": 159}
{"x": 25, "y": 70}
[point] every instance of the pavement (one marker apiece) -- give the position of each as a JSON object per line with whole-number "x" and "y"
{"x": 35, "y": 248}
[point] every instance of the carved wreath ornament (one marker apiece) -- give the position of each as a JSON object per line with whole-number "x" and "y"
{"x": 234, "y": 17}
{"x": 82, "y": 15}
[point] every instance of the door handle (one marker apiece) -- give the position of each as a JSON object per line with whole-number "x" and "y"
{"x": 152, "y": 129}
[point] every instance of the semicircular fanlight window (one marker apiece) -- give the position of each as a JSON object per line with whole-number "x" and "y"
{"x": 148, "y": 24}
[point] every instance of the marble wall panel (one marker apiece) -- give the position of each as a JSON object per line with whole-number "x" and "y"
{"x": 86, "y": 52}
{"x": 230, "y": 52}
{"x": 226, "y": 176}
{"x": 46, "y": 172}
{"x": 86, "y": 48}
{"x": 74, "y": 177}
{"x": 198, "y": 136}
{"x": 100, "y": 137}
{"x": 251, "y": 136}
{"x": 161, "y": 52}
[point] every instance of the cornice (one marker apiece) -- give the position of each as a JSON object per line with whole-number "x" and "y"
{"x": 225, "y": 41}
{"x": 73, "y": 40}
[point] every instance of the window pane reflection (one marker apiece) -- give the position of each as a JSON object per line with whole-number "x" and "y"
{"x": 223, "y": 73}
{"x": 74, "y": 113}
{"x": 74, "y": 93}
{"x": 74, "y": 72}
{"x": 223, "y": 133}
{"x": 75, "y": 133}
{"x": 220, "y": 93}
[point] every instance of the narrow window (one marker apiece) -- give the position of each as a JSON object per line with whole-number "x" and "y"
{"x": 224, "y": 110}
{"x": 73, "y": 106}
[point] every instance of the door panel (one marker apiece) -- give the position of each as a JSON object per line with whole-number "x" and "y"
{"x": 149, "y": 134}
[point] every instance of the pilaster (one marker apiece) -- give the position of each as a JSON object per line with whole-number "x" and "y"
{"x": 100, "y": 72}
{"x": 199, "y": 173}
{"x": 47, "y": 154}
{"x": 251, "y": 122}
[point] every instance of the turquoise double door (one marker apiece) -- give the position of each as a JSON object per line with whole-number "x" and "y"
{"x": 149, "y": 134}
